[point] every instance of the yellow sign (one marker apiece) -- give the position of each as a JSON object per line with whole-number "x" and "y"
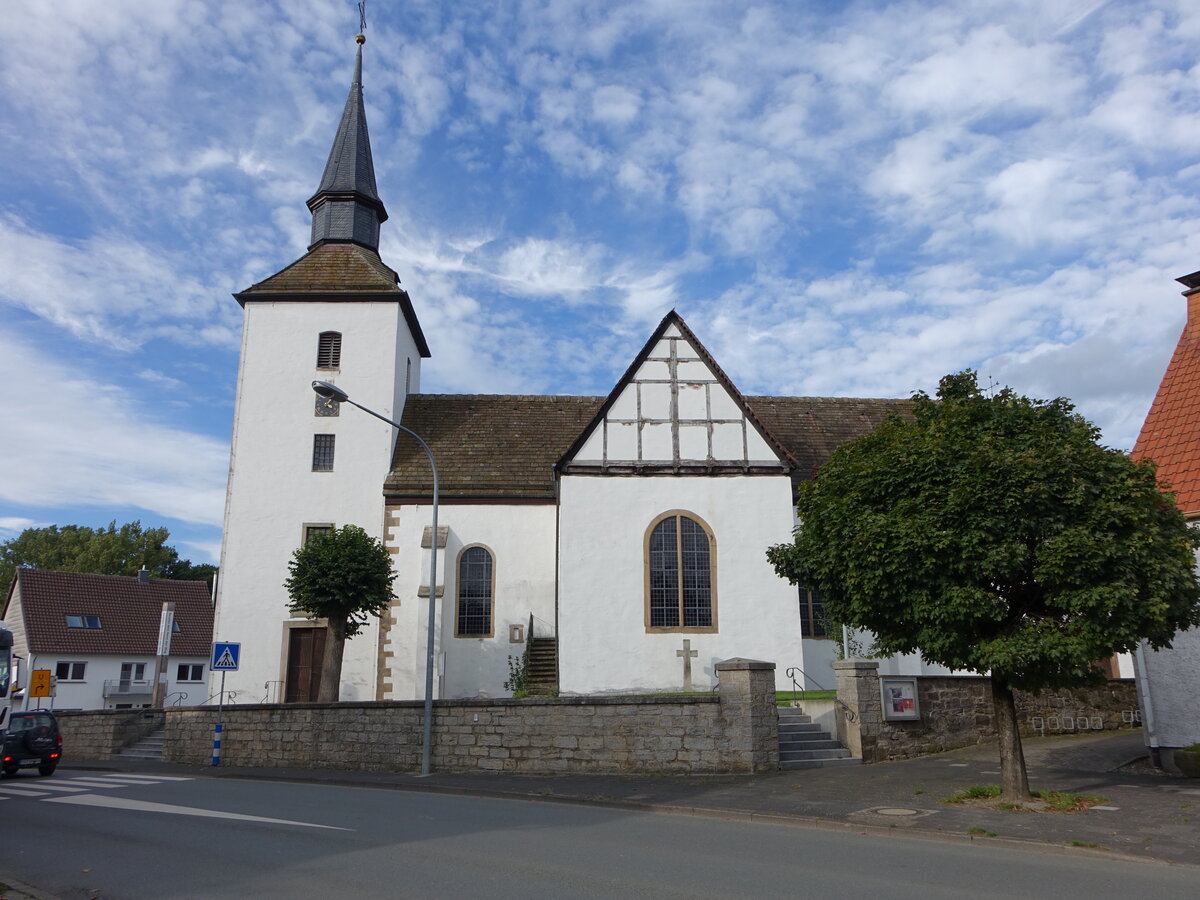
{"x": 39, "y": 683}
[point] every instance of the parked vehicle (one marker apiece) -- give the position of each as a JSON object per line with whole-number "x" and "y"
{"x": 31, "y": 739}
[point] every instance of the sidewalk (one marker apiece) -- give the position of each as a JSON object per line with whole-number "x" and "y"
{"x": 1147, "y": 816}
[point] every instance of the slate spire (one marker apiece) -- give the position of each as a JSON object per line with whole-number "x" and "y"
{"x": 346, "y": 206}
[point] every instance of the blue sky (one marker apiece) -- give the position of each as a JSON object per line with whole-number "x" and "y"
{"x": 841, "y": 199}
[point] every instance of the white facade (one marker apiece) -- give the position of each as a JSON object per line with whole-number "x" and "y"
{"x": 1169, "y": 682}
{"x": 120, "y": 681}
{"x": 273, "y": 492}
{"x": 520, "y": 539}
{"x": 605, "y": 644}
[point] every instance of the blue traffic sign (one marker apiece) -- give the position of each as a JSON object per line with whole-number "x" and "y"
{"x": 225, "y": 657}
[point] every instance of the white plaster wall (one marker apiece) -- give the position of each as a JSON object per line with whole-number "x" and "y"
{"x": 89, "y": 693}
{"x": 603, "y": 644}
{"x": 521, "y": 540}
{"x": 272, "y": 489}
{"x": 1172, "y": 678}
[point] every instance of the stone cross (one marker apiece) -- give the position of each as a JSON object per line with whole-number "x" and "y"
{"x": 687, "y": 653}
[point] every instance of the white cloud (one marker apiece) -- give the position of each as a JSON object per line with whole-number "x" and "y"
{"x": 75, "y": 440}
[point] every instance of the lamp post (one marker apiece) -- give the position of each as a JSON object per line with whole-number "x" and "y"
{"x": 333, "y": 392}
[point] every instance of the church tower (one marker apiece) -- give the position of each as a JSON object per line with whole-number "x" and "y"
{"x": 297, "y": 464}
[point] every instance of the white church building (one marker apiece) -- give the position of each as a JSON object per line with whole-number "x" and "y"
{"x": 627, "y": 533}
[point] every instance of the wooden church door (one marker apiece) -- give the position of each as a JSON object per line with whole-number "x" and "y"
{"x": 306, "y": 651}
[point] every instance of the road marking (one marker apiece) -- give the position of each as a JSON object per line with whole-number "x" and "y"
{"x": 109, "y": 802}
{"x": 38, "y": 788}
{"x": 26, "y": 791}
{"x": 93, "y": 782}
{"x": 142, "y": 779}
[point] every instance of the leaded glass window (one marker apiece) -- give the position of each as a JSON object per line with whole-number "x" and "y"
{"x": 812, "y": 613}
{"x": 474, "y": 593}
{"x": 323, "y": 452}
{"x": 679, "y": 576}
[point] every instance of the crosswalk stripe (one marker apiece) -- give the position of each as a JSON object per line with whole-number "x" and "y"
{"x": 140, "y": 779}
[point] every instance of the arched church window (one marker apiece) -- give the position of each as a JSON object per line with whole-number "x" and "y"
{"x": 329, "y": 350}
{"x": 476, "y": 587}
{"x": 680, "y": 574}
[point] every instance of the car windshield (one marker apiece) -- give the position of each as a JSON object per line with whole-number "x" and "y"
{"x": 18, "y": 724}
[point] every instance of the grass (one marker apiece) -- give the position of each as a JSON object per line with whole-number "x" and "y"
{"x": 980, "y": 832}
{"x": 1056, "y": 801}
{"x": 784, "y": 698}
{"x": 1091, "y": 844}
{"x": 975, "y": 792}
{"x": 1065, "y": 801}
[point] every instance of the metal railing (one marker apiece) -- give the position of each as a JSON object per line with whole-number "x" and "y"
{"x": 125, "y": 687}
{"x": 179, "y": 696}
{"x": 797, "y": 688}
{"x": 272, "y": 689}
{"x": 539, "y": 628}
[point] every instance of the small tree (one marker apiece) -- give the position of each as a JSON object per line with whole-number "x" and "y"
{"x": 994, "y": 533}
{"x": 343, "y": 576}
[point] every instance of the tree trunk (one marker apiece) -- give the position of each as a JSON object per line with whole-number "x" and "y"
{"x": 1014, "y": 780}
{"x": 331, "y": 665}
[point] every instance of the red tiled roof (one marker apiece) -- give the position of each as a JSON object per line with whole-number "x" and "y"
{"x": 1171, "y": 433}
{"x": 129, "y": 613}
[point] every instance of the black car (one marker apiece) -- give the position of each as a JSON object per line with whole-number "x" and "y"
{"x": 32, "y": 739}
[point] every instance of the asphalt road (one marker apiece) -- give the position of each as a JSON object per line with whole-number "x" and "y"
{"x": 146, "y": 836}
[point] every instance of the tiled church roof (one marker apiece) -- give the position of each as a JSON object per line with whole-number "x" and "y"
{"x": 129, "y": 613}
{"x": 330, "y": 268}
{"x": 1171, "y": 433}
{"x": 504, "y": 446}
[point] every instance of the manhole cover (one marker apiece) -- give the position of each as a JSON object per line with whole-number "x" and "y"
{"x": 895, "y": 811}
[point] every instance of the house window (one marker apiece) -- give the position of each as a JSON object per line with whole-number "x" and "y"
{"x": 812, "y": 613}
{"x": 70, "y": 671}
{"x": 680, "y": 574}
{"x": 175, "y": 629}
{"x": 83, "y": 621}
{"x": 310, "y": 530}
{"x": 323, "y": 452}
{"x": 475, "y": 588}
{"x": 190, "y": 672}
{"x": 329, "y": 350}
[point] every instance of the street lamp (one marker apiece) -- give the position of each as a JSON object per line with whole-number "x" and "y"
{"x": 333, "y": 392}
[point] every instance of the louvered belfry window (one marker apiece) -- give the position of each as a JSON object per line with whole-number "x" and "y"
{"x": 329, "y": 350}
{"x": 474, "y": 593}
{"x": 679, "y": 575}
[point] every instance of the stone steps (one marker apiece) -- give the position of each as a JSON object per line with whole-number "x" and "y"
{"x": 149, "y": 747}
{"x": 804, "y": 745}
{"x": 542, "y": 667}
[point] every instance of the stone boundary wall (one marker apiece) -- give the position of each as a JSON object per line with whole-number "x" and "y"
{"x": 735, "y": 731}
{"x": 956, "y": 711}
{"x": 102, "y": 733}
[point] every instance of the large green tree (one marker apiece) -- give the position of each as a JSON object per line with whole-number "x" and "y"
{"x": 992, "y": 532}
{"x": 115, "y": 550}
{"x": 343, "y": 576}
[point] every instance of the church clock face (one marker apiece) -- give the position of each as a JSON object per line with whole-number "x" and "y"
{"x": 326, "y": 406}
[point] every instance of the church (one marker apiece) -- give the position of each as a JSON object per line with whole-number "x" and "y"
{"x": 622, "y": 538}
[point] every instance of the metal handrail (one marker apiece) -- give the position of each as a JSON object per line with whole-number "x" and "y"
{"x": 230, "y": 697}
{"x": 849, "y": 714}
{"x": 547, "y": 630}
{"x": 179, "y": 696}
{"x": 267, "y": 687}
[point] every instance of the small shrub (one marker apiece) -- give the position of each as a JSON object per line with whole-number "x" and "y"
{"x": 980, "y": 832}
{"x": 518, "y": 677}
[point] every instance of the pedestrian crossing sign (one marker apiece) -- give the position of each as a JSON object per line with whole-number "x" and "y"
{"x": 225, "y": 657}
